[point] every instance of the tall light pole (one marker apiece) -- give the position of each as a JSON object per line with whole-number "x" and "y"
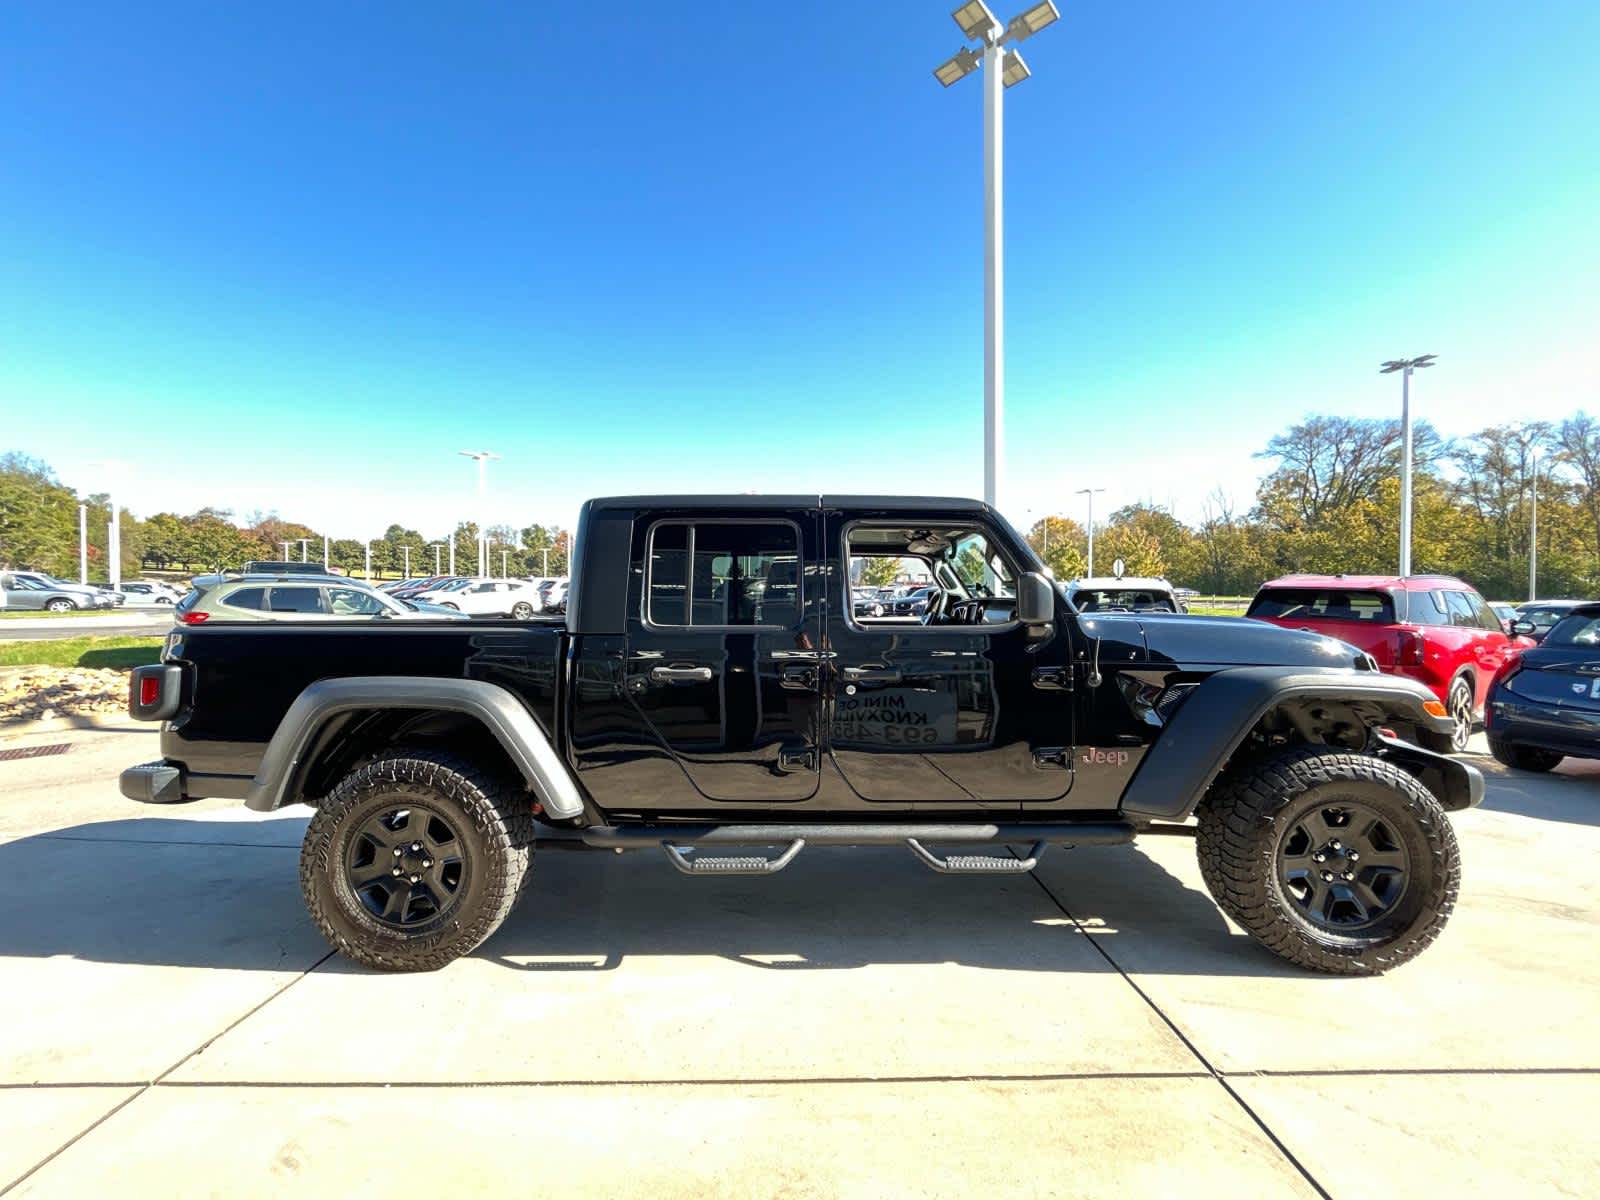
{"x": 437, "y": 546}
{"x": 369, "y": 562}
{"x": 503, "y": 553}
{"x": 1405, "y": 366}
{"x": 1003, "y": 67}
{"x": 114, "y": 471}
{"x": 1533, "y": 536}
{"x": 325, "y": 563}
{"x": 1090, "y": 493}
{"x": 83, "y": 544}
{"x": 303, "y": 543}
{"x": 483, "y": 457}
{"x": 285, "y": 546}
{"x": 406, "y": 550}
{"x": 452, "y": 552}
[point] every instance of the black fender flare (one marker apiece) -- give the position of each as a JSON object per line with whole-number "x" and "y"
{"x": 1211, "y": 723}
{"x": 283, "y": 766}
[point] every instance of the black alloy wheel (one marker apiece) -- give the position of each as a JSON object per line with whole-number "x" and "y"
{"x": 1343, "y": 868}
{"x": 406, "y": 865}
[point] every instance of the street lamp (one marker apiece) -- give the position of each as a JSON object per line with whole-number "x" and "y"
{"x": 406, "y": 550}
{"x": 1405, "y": 366}
{"x": 285, "y": 546}
{"x": 325, "y": 563}
{"x": 114, "y": 472}
{"x": 1004, "y": 68}
{"x": 369, "y": 562}
{"x": 1090, "y": 492}
{"x": 437, "y": 546}
{"x": 83, "y": 544}
{"x": 483, "y": 457}
{"x": 303, "y": 543}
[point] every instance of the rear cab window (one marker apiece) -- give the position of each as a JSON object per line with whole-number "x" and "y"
{"x": 719, "y": 574}
{"x": 1323, "y": 604}
{"x": 1577, "y": 629}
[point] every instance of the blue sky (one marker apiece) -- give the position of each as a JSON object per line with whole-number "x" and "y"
{"x": 294, "y": 257}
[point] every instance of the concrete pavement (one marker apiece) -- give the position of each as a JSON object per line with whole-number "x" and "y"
{"x": 855, "y": 1026}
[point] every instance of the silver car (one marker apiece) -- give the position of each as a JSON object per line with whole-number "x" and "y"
{"x": 298, "y": 598}
{"x": 34, "y": 591}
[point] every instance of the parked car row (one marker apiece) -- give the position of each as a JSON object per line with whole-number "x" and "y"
{"x": 486, "y": 596}
{"x": 297, "y": 597}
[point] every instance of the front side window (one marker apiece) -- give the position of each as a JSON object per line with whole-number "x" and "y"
{"x": 981, "y": 568}
{"x": 1461, "y": 614}
{"x": 723, "y": 573}
{"x": 353, "y": 602}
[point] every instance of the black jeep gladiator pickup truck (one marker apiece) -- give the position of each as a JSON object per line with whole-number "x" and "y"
{"x": 713, "y": 693}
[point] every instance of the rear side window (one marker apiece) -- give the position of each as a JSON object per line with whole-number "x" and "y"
{"x": 713, "y": 574}
{"x": 295, "y": 599}
{"x": 1323, "y": 604}
{"x": 253, "y": 598}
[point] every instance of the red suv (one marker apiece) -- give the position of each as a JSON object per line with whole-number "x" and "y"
{"x": 1432, "y": 628}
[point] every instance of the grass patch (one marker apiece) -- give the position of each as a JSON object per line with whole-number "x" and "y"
{"x": 116, "y": 653}
{"x": 1212, "y": 610}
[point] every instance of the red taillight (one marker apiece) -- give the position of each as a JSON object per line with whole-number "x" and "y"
{"x": 194, "y": 618}
{"x": 149, "y": 691}
{"x": 1408, "y": 648}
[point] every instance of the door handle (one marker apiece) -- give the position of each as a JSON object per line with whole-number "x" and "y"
{"x": 870, "y": 674}
{"x": 798, "y": 679}
{"x": 681, "y": 674}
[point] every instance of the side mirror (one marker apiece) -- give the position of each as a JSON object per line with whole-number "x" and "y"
{"x": 1523, "y": 628}
{"x": 1036, "y": 600}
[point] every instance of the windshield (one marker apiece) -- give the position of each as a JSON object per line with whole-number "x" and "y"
{"x": 1579, "y": 629}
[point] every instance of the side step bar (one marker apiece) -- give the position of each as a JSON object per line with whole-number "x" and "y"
{"x": 682, "y": 842}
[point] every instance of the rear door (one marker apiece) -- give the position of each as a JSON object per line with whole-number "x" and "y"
{"x": 721, "y": 663}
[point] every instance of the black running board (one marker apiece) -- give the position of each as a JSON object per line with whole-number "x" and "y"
{"x": 682, "y": 843}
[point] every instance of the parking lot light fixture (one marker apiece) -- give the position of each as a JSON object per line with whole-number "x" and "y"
{"x": 325, "y": 563}
{"x": 406, "y": 571}
{"x": 83, "y": 544}
{"x": 304, "y": 542}
{"x": 1002, "y": 68}
{"x": 1405, "y": 366}
{"x": 285, "y": 546}
{"x": 369, "y": 562}
{"x": 976, "y": 21}
{"x": 1024, "y": 25}
{"x": 437, "y": 547}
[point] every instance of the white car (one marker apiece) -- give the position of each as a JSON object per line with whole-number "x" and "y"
{"x": 1139, "y": 594}
{"x": 480, "y": 597}
{"x": 142, "y": 593}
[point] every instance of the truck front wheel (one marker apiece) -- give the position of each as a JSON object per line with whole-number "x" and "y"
{"x": 1339, "y": 862}
{"x": 414, "y": 859}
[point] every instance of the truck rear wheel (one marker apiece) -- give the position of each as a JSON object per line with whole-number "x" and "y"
{"x": 1336, "y": 861}
{"x": 414, "y": 859}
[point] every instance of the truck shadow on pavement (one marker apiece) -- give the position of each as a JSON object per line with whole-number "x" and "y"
{"x": 224, "y": 894}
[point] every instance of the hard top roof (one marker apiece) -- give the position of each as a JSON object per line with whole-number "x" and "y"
{"x": 806, "y": 500}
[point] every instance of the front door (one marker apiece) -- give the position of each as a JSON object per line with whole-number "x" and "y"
{"x": 721, "y": 666}
{"x": 958, "y": 706}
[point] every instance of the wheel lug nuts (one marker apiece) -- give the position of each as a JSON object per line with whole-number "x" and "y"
{"x": 396, "y": 871}
{"x": 1348, "y": 875}
{"x": 1353, "y": 856}
{"x": 415, "y": 846}
{"x": 1327, "y": 877}
{"x": 1335, "y": 846}
{"x": 427, "y": 862}
{"x": 1319, "y": 857}
{"x": 416, "y": 879}
{"x": 397, "y": 851}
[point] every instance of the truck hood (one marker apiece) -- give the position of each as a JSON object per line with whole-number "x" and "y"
{"x": 1217, "y": 641}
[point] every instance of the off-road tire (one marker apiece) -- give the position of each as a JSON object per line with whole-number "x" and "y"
{"x": 493, "y": 820}
{"x": 1252, "y": 808}
{"x": 1524, "y": 758}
